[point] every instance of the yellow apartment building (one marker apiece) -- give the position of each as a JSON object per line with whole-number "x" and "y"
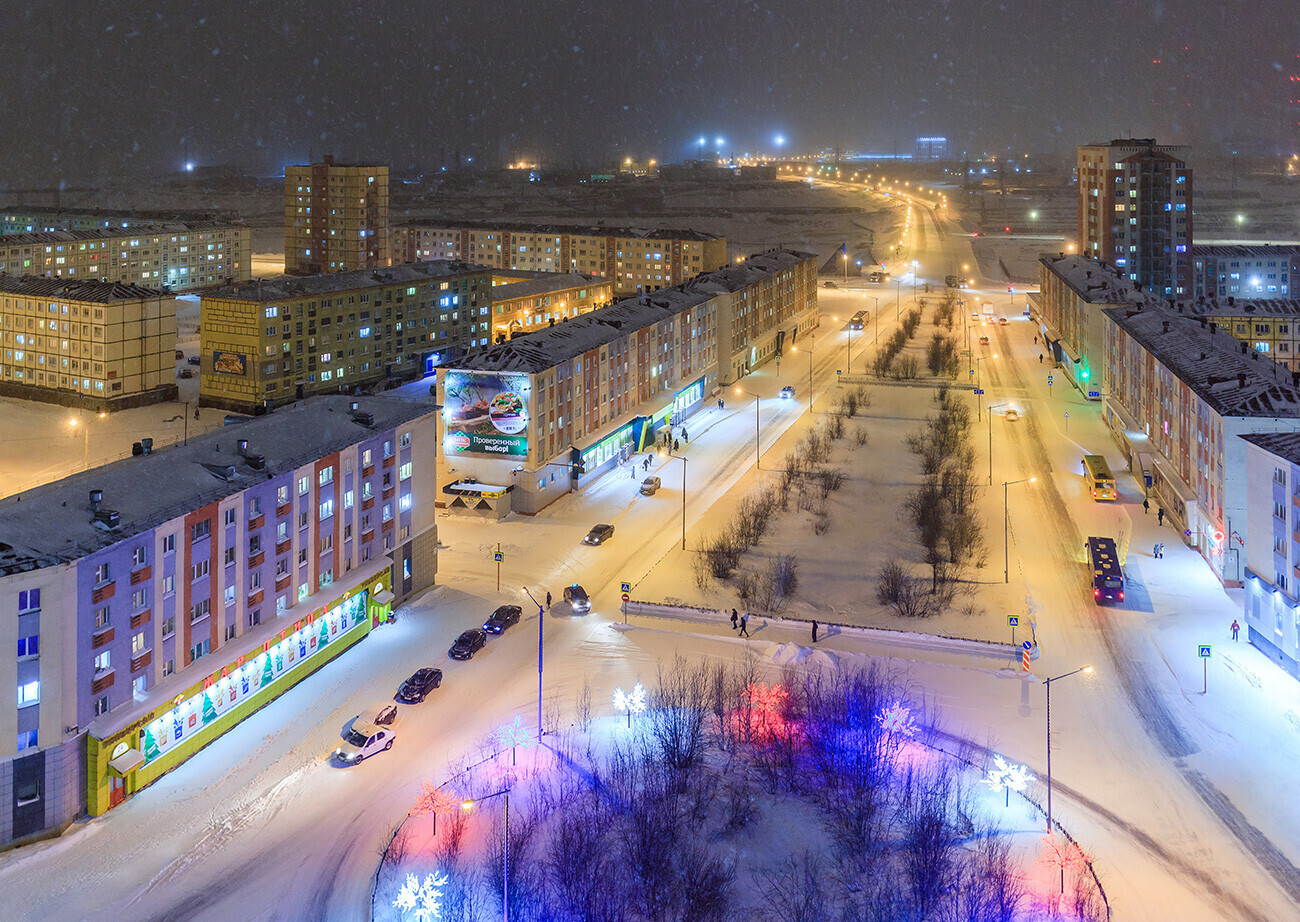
{"x": 335, "y": 217}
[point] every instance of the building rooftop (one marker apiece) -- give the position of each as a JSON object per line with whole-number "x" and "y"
{"x": 1097, "y": 282}
{"x": 51, "y": 524}
{"x": 77, "y": 289}
{"x": 1211, "y": 363}
{"x": 542, "y": 349}
{"x": 588, "y": 230}
{"x": 1285, "y": 445}
{"x": 543, "y": 284}
{"x": 155, "y": 217}
{"x": 46, "y": 238}
{"x": 294, "y": 286}
{"x": 1245, "y": 250}
{"x": 1244, "y": 307}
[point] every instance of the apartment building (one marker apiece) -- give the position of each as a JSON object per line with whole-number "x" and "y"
{"x": 1178, "y": 393}
{"x": 1270, "y": 326}
{"x": 528, "y": 420}
{"x": 272, "y": 341}
{"x": 1135, "y": 212}
{"x": 178, "y": 257}
{"x": 1247, "y": 271}
{"x": 27, "y": 219}
{"x": 93, "y": 344}
{"x": 156, "y": 602}
{"x": 335, "y": 217}
{"x": 1271, "y": 602}
{"x": 527, "y": 301}
{"x": 636, "y": 260}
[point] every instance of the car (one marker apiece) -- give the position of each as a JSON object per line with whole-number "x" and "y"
{"x": 787, "y": 392}
{"x": 577, "y": 599}
{"x": 362, "y": 741}
{"x": 974, "y": 315}
{"x": 1003, "y": 321}
{"x": 984, "y": 340}
{"x": 381, "y": 715}
{"x": 194, "y": 360}
{"x": 829, "y": 285}
{"x": 599, "y": 534}
{"x": 502, "y": 618}
{"x": 1012, "y": 414}
{"x": 650, "y": 486}
{"x": 421, "y": 682}
{"x": 468, "y": 643}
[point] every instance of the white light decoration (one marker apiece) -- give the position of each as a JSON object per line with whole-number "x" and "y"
{"x": 1007, "y": 775}
{"x": 633, "y": 703}
{"x": 897, "y": 719}
{"x": 422, "y": 900}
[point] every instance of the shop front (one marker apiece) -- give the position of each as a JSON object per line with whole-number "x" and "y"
{"x": 136, "y": 747}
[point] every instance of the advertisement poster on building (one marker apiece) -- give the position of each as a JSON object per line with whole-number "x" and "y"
{"x": 229, "y": 363}
{"x": 486, "y": 413}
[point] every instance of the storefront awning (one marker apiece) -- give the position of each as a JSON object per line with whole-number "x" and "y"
{"x": 126, "y": 761}
{"x": 383, "y": 597}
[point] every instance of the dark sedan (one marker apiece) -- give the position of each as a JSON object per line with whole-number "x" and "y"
{"x": 420, "y": 684}
{"x": 599, "y": 534}
{"x": 468, "y": 643}
{"x": 502, "y": 618}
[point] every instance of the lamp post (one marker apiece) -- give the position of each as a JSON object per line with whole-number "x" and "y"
{"x": 845, "y": 256}
{"x": 992, "y": 407}
{"x": 681, "y": 458}
{"x": 810, "y": 376}
{"x": 898, "y": 297}
{"x": 1048, "y": 683}
{"x": 758, "y": 461}
{"x": 505, "y": 855}
{"x": 915, "y": 265}
{"x": 1006, "y": 527}
{"x": 85, "y": 438}
{"x": 541, "y": 633}
{"x": 876, "y": 302}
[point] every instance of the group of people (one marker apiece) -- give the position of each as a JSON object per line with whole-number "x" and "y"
{"x": 741, "y": 620}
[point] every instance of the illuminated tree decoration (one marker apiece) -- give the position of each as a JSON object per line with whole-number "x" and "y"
{"x": 515, "y": 735}
{"x": 1059, "y": 854}
{"x": 633, "y": 703}
{"x": 422, "y": 900}
{"x": 897, "y": 719}
{"x": 150, "y": 745}
{"x": 435, "y": 800}
{"x": 1007, "y": 776}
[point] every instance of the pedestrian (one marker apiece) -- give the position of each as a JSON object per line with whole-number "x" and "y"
{"x": 677, "y": 446}
{"x": 720, "y": 404}
{"x": 684, "y": 436}
{"x": 647, "y": 463}
{"x": 734, "y": 617}
{"x": 548, "y": 601}
{"x": 1035, "y": 339}
{"x": 1160, "y": 516}
{"x": 744, "y": 620}
{"x": 1146, "y": 506}
{"x": 633, "y": 472}
{"x": 1155, "y": 551}
{"x": 814, "y": 632}
{"x": 1040, "y": 358}
{"x": 1235, "y": 628}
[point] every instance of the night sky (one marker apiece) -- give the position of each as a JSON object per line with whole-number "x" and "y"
{"x": 97, "y": 88}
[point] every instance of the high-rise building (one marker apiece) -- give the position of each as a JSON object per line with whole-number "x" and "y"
{"x": 335, "y": 217}
{"x": 1135, "y": 212}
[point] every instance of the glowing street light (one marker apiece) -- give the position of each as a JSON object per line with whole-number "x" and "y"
{"x": 758, "y": 460}
{"x": 1048, "y": 683}
{"x": 1006, "y": 549}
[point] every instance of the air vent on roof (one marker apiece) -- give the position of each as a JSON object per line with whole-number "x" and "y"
{"x": 96, "y": 500}
{"x": 362, "y": 418}
{"x": 147, "y": 445}
{"x": 221, "y": 471}
{"x": 106, "y": 519}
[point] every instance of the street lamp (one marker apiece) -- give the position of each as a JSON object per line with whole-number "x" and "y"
{"x": 810, "y": 376}
{"x": 681, "y": 458}
{"x": 1006, "y": 527}
{"x": 1048, "y": 683}
{"x": 876, "y": 302}
{"x": 758, "y": 461}
{"x": 915, "y": 265}
{"x": 845, "y": 257}
{"x": 505, "y": 855}
{"x": 541, "y": 634}
{"x": 992, "y": 407}
{"x": 85, "y": 441}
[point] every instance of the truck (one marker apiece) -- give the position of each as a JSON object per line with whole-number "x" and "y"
{"x": 1107, "y": 577}
{"x": 954, "y": 281}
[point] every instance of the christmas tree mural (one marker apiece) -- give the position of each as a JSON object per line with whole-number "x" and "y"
{"x": 150, "y": 746}
{"x": 324, "y": 632}
{"x": 209, "y": 712}
{"x": 267, "y": 674}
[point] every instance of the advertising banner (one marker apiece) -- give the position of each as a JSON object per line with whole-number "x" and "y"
{"x": 486, "y": 413}
{"x": 229, "y": 363}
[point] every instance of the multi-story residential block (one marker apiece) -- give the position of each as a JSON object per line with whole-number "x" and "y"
{"x": 272, "y": 341}
{"x": 528, "y": 420}
{"x": 637, "y": 260}
{"x": 335, "y": 217}
{"x": 1272, "y": 538}
{"x": 1248, "y": 271}
{"x": 1270, "y": 326}
{"x": 527, "y": 301}
{"x": 27, "y": 219}
{"x": 1177, "y": 393}
{"x": 178, "y": 257}
{"x": 154, "y": 603}
{"x": 99, "y": 345}
{"x": 1135, "y": 212}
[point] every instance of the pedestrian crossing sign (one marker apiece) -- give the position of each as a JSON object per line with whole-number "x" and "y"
{"x": 626, "y": 587}
{"x": 1204, "y": 651}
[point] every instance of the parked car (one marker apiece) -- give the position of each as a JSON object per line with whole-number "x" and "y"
{"x": 502, "y": 618}
{"x": 984, "y": 340}
{"x": 829, "y": 285}
{"x": 650, "y": 486}
{"x": 787, "y": 392}
{"x": 423, "y": 681}
{"x": 468, "y": 643}
{"x": 194, "y": 360}
{"x": 1003, "y": 321}
{"x": 1012, "y": 414}
{"x": 363, "y": 741}
{"x": 577, "y": 598}
{"x": 186, "y": 372}
{"x": 381, "y": 715}
{"x": 179, "y": 355}
{"x": 599, "y": 534}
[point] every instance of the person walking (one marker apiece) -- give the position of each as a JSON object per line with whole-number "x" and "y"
{"x": 744, "y": 621}
{"x": 677, "y": 446}
{"x": 1040, "y": 358}
{"x": 1146, "y": 506}
{"x": 1161, "y": 548}
{"x": 1155, "y": 551}
{"x": 684, "y": 436}
{"x": 1160, "y": 516}
{"x": 1235, "y": 628}
{"x": 734, "y": 618}
{"x": 548, "y": 601}
{"x": 814, "y": 632}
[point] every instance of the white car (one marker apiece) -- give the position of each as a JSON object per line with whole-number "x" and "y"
{"x": 362, "y": 741}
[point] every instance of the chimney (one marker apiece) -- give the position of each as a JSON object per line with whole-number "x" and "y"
{"x": 1214, "y": 328}
{"x": 1165, "y": 325}
{"x": 147, "y": 445}
{"x": 1241, "y": 379}
{"x": 96, "y": 500}
{"x": 1231, "y": 301}
{"x": 1243, "y": 348}
{"x": 241, "y": 447}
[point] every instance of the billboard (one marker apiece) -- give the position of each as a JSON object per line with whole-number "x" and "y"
{"x": 486, "y": 413}
{"x": 229, "y": 363}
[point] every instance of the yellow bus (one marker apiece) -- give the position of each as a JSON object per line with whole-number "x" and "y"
{"x": 1101, "y": 482}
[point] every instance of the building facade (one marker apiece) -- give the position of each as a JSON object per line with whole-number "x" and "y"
{"x": 636, "y": 260}
{"x": 28, "y": 219}
{"x": 178, "y": 257}
{"x": 1271, "y": 603}
{"x": 1135, "y": 212}
{"x": 199, "y": 582}
{"x": 548, "y": 411}
{"x": 1270, "y": 326}
{"x": 537, "y": 300}
{"x": 93, "y": 344}
{"x": 272, "y": 341}
{"x": 335, "y": 218}
{"x": 1247, "y": 272}
{"x": 1177, "y": 396}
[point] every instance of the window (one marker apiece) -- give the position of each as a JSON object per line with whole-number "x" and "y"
{"x": 388, "y": 449}
{"x": 103, "y": 661}
{"x": 304, "y": 484}
{"x": 169, "y": 627}
{"x": 388, "y": 511}
{"x": 404, "y": 472}
{"x": 365, "y": 458}
{"x": 168, "y": 667}
{"x": 169, "y": 544}
{"x": 230, "y": 556}
{"x": 200, "y": 649}
{"x": 282, "y": 533}
{"x": 406, "y": 440}
{"x": 102, "y": 573}
{"x": 139, "y": 599}
{"x": 138, "y": 644}
{"x": 168, "y": 585}
{"x": 199, "y": 570}
{"x": 200, "y": 610}
{"x": 302, "y": 555}
{"x": 326, "y": 543}
{"x": 254, "y": 544}
{"x": 302, "y": 519}
{"x": 29, "y": 793}
{"x": 255, "y": 580}
{"x": 282, "y": 496}
{"x": 281, "y": 567}
{"x": 29, "y": 646}
{"x": 102, "y": 617}
{"x": 29, "y": 600}
{"x": 255, "y": 617}
{"x": 366, "y": 490}
{"x": 29, "y": 694}
{"x": 230, "y": 595}
{"x": 405, "y": 502}
{"x": 326, "y": 476}
{"x": 347, "y": 500}
{"x": 201, "y": 530}
{"x": 138, "y": 557}
{"x": 101, "y": 706}
{"x": 327, "y": 509}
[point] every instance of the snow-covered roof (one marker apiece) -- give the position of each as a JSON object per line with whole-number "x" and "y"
{"x": 542, "y": 349}
{"x": 1243, "y": 307}
{"x": 547, "y": 282}
{"x": 35, "y": 238}
{"x": 109, "y": 214}
{"x": 294, "y": 286}
{"x": 579, "y": 230}
{"x": 51, "y": 523}
{"x": 1285, "y": 445}
{"x": 1211, "y": 363}
{"x": 1096, "y": 282}
{"x": 96, "y": 292}
{"x": 1245, "y": 251}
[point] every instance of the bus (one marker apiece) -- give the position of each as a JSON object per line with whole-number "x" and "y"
{"x": 1107, "y": 577}
{"x": 858, "y": 320}
{"x": 1101, "y": 482}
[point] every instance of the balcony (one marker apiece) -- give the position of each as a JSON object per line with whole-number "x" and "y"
{"x": 254, "y": 597}
{"x": 100, "y": 637}
{"x": 285, "y": 509}
{"x": 100, "y": 593}
{"x": 388, "y": 526}
{"x": 367, "y": 534}
{"x": 102, "y": 681}
{"x": 141, "y": 617}
{"x": 367, "y": 503}
{"x": 283, "y": 583}
{"x": 139, "y": 662}
{"x": 367, "y": 470}
{"x": 140, "y": 575}
{"x": 283, "y": 546}
{"x": 256, "y": 559}
{"x": 390, "y": 461}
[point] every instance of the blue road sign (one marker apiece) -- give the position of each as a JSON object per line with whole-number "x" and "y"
{"x": 1027, "y": 645}
{"x": 498, "y": 556}
{"x": 979, "y": 390}
{"x": 626, "y": 587}
{"x": 839, "y": 371}
{"x": 1204, "y": 651}
{"x": 1013, "y": 620}
{"x": 1094, "y": 394}
{"x": 1049, "y": 379}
